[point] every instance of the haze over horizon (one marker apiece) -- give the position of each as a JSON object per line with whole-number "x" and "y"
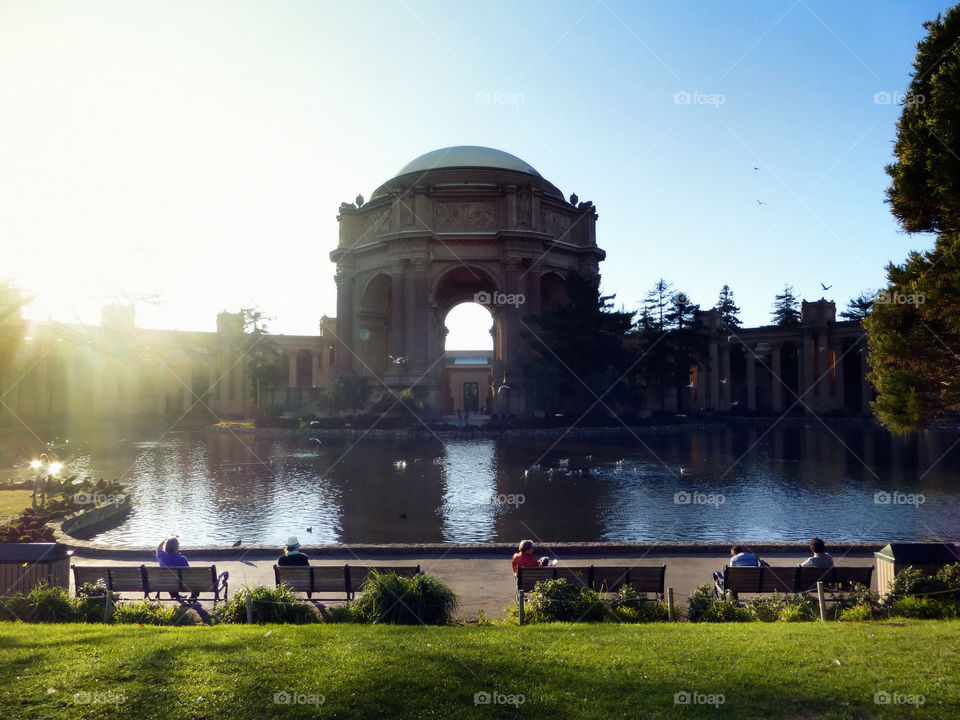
{"x": 191, "y": 158}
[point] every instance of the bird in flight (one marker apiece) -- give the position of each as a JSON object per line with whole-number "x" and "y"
{"x": 237, "y": 543}
{"x": 825, "y": 287}
{"x": 397, "y": 360}
{"x": 761, "y": 202}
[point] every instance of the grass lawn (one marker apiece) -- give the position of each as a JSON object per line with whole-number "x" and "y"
{"x": 12, "y": 502}
{"x": 781, "y": 670}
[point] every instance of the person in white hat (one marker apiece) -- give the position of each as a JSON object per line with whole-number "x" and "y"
{"x": 291, "y": 553}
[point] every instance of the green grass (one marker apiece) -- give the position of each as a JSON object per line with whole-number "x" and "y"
{"x": 768, "y": 670}
{"x": 12, "y": 503}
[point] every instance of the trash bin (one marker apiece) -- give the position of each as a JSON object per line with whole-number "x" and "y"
{"x": 926, "y": 557}
{"x": 24, "y": 565}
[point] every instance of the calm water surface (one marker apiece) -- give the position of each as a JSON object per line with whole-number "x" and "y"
{"x": 727, "y": 484}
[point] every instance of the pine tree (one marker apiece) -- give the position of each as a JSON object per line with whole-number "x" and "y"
{"x": 729, "y": 310}
{"x": 786, "y": 309}
{"x": 859, "y": 307}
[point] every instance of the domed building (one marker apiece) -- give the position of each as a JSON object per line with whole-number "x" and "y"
{"x": 458, "y": 224}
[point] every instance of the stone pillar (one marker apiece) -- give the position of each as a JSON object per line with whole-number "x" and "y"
{"x": 866, "y": 389}
{"x": 396, "y": 345}
{"x": 701, "y": 387}
{"x": 776, "y": 382}
{"x": 510, "y": 319}
{"x": 714, "y": 376}
{"x": 751, "y": 378}
{"x": 726, "y": 382}
{"x": 807, "y": 399}
{"x": 419, "y": 334}
{"x": 836, "y": 360}
{"x": 824, "y": 371}
{"x": 315, "y": 369}
{"x": 292, "y": 369}
{"x": 344, "y": 356}
{"x": 533, "y": 290}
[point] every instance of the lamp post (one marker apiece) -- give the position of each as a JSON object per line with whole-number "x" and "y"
{"x": 45, "y": 469}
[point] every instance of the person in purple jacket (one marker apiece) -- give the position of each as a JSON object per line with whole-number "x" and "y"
{"x": 168, "y": 555}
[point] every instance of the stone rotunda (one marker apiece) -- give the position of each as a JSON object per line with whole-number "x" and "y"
{"x": 459, "y": 224}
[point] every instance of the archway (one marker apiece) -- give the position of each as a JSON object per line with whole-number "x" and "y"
{"x": 467, "y": 387}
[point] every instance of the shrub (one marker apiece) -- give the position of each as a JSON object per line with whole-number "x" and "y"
{"x": 803, "y": 610}
{"x": 44, "y": 603}
{"x": 628, "y": 605}
{"x": 700, "y": 600}
{"x": 270, "y": 605}
{"x": 726, "y": 610}
{"x": 562, "y": 601}
{"x": 340, "y": 614}
{"x": 405, "y": 600}
{"x": 90, "y": 603}
{"x": 922, "y": 608}
{"x": 767, "y": 608}
{"x": 912, "y": 581}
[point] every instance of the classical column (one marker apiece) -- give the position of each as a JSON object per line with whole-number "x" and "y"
{"x": 419, "y": 334}
{"x": 824, "y": 371}
{"x": 533, "y": 290}
{"x": 751, "y": 378}
{"x": 315, "y": 368}
{"x": 292, "y": 369}
{"x": 866, "y": 389}
{"x": 396, "y": 311}
{"x": 776, "y": 382}
{"x": 714, "y": 376}
{"x": 511, "y": 326}
{"x": 344, "y": 321}
{"x": 807, "y": 399}
{"x": 837, "y": 356}
{"x": 701, "y": 387}
{"x": 726, "y": 382}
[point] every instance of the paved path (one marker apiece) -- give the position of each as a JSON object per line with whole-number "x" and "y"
{"x": 488, "y": 584}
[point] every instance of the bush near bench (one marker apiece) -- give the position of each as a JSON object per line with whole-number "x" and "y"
{"x": 562, "y": 601}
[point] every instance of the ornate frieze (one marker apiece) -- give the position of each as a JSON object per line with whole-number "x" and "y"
{"x": 465, "y": 216}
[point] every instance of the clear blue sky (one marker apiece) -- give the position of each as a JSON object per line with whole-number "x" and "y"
{"x": 199, "y": 151}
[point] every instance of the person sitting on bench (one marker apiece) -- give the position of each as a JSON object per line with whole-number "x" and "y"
{"x": 739, "y": 557}
{"x": 168, "y": 555}
{"x": 524, "y": 558}
{"x": 291, "y": 553}
{"x": 821, "y": 558}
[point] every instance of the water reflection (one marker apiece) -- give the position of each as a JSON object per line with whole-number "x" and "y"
{"x": 787, "y": 483}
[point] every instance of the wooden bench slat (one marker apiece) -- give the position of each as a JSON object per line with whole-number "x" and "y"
{"x": 149, "y": 579}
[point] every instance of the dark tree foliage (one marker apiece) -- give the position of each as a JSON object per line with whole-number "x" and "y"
{"x": 579, "y": 352}
{"x": 924, "y": 192}
{"x": 859, "y": 307}
{"x": 914, "y": 327}
{"x": 729, "y": 310}
{"x": 786, "y": 309}
{"x": 914, "y": 339}
{"x": 12, "y": 326}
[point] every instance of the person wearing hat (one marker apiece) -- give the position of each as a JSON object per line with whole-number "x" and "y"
{"x": 292, "y": 554}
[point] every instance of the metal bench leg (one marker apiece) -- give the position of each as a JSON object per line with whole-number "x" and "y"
{"x": 520, "y": 605}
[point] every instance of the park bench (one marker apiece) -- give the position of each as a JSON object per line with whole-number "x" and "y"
{"x": 790, "y": 580}
{"x": 342, "y": 580}
{"x": 150, "y": 579}
{"x": 602, "y": 578}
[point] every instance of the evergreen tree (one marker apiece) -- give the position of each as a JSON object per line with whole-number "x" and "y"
{"x": 914, "y": 327}
{"x": 786, "y": 309}
{"x": 729, "y": 310}
{"x": 263, "y": 360}
{"x": 579, "y": 351}
{"x": 657, "y": 304}
{"x": 859, "y": 307}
